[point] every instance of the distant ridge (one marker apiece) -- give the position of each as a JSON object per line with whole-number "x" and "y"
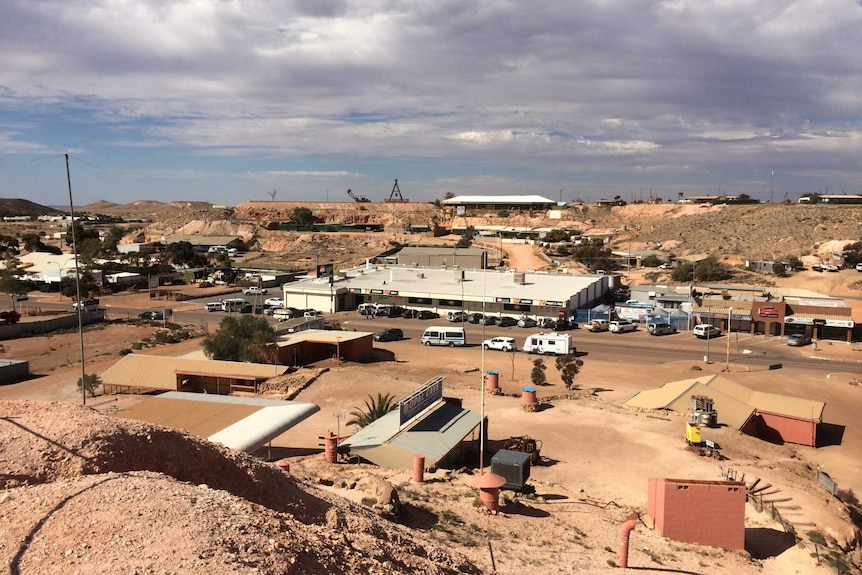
{"x": 21, "y": 207}
{"x": 98, "y": 206}
{"x": 143, "y": 208}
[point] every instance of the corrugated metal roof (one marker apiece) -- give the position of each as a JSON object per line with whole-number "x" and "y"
{"x": 826, "y": 316}
{"x": 157, "y": 372}
{"x": 434, "y": 435}
{"x": 734, "y": 402}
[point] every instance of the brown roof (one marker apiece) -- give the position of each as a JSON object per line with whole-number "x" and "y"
{"x": 734, "y": 402}
{"x": 156, "y": 372}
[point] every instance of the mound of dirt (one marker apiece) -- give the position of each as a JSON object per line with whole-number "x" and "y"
{"x": 84, "y": 492}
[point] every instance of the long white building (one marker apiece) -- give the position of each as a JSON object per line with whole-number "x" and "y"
{"x": 535, "y": 294}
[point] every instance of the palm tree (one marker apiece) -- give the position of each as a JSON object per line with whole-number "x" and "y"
{"x": 375, "y": 408}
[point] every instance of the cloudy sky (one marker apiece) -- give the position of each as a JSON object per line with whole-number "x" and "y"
{"x": 229, "y": 100}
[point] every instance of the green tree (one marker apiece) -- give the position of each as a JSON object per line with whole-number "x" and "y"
{"x": 651, "y": 261}
{"x": 375, "y": 408}
{"x": 569, "y": 366}
{"x": 81, "y": 233}
{"x": 88, "y": 283}
{"x": 466, "y": 238}
{"x": 245, "y": 339}
{"x": 302, "y": 216}
{"x": 557, "y": 235}
{"x": 11, "y": 282}
{"x": 779, "y": 269}
{"x": 710, "y": 269}
{"x": 183, "y": 254}
{"x": 89, "y": 382}
{"x": 852, "y": 253}
{"x": 684, "y": 272}
{"x": 537, "y": 374}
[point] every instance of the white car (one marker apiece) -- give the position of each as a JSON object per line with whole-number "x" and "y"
{"x": 706, "y": 331}
{"x": 274, "y": 302}
{"x": 618, "y": 326}
{"x": 254, "y": 291}
{"x": 500, "y": 344}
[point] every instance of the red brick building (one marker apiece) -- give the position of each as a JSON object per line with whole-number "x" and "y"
{"x": 697, "y": 511}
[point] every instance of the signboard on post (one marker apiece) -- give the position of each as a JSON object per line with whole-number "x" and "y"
{"x": 421, "y": 399}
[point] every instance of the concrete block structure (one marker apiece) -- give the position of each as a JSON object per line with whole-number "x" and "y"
{"x": 697, "y": 511}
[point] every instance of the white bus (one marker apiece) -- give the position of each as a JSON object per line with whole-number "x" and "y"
{"x": 450, "y": 336}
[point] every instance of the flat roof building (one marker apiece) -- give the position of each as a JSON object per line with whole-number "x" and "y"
{"x": 537, "y": 294}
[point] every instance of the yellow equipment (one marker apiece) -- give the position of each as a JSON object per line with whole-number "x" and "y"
{"x": 692, "y": 433}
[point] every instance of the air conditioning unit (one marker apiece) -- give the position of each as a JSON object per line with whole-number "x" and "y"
{"x": 520, "y": 278}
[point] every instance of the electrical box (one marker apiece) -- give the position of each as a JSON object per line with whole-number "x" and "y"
{"x": 514, "y": 466}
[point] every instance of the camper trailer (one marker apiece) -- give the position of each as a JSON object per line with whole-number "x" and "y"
{"x": 552, "y": 343}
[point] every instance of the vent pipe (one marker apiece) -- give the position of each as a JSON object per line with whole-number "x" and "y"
{"x": 630, "y": 523}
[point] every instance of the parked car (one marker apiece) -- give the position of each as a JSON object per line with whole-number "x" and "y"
{"x": 274, "y": 302}
{"x": 500, "y": 344}
{"x": 621, "y": 326}
{"x": 395, "y": 311}
{"x": 9, "y": 317}
{"x": 564, "y": 324}
{"x": 254, "y": 290}
{"x": 90, "y": 304}
{"x": 410, "y": 313}
{"x": 660, "y": 328}
{"x": 798, "y": 339}
{"x": 548, "y": 323}
{"x": 598, "y": 325}
{"x": 859, "y": 267}
{"x": 213, "y": 306}
{"x": 705, "y": 330}
{"x": 475, "y": 318}
{"x": 507, "y": 321}
{"x": 427, "y": 314}
{"x": 389, "y": 334}
{"x": 527, "y": 322}
{"x": 154, "y": 314}
{"x": 457, "y": 316}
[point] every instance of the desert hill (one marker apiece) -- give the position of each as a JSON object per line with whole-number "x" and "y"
{"x": 21, "y": 207}
{"x": 84, "y": 492}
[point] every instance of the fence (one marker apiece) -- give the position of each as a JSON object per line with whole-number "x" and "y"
{"x": 824, "y": 479}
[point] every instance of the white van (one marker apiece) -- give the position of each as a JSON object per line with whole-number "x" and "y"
{"x": 549, "y": 344}
{"x": 233, "y": 303}
{"x": 450, "y": 336}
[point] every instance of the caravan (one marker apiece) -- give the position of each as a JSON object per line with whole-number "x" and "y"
{"x": 549, "y": 344}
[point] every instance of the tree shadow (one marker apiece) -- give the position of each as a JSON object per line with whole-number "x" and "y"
{"x": 518, "y": 508}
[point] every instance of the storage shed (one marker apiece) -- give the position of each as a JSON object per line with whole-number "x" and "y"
{"x": 697, "y": 511}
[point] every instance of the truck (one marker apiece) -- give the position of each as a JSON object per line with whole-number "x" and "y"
{"x": 552, "y": 343}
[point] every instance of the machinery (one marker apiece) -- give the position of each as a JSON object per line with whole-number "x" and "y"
{"x": 360, "y": 199}
{"x": 525, "y": 444}
{"x": 702, "y": 415}
{"x": 395, "y": 196}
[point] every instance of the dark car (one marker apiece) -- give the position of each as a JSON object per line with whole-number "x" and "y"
{"x": 563, "y": 324}
{"x": 527, "y": 322}
{"x": 9, "y": 317}
{"x": 395, "y": 311}
{"x": 489, "y": 320}
{"x": 426, "y": 314}
{"x": 389, "y": 334}
{"x": 547, "y": 323}
{"x": 798, "y": 339}
{"x": 507, "y": 321}
{"x": 153, "y": 314}
{"x": 410, "y": 313}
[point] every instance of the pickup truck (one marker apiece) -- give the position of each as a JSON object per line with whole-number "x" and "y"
{"x": 254, "y": 291}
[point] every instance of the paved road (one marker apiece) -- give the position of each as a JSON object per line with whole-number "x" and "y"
{"x": 637, "y": 347}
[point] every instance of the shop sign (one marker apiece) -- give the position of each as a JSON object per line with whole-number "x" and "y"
{"x": 503, "y": 300}
{"x": 846, "y": 323}
{"x": 798, "y": 320}
{"x": 767, "y": 312}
